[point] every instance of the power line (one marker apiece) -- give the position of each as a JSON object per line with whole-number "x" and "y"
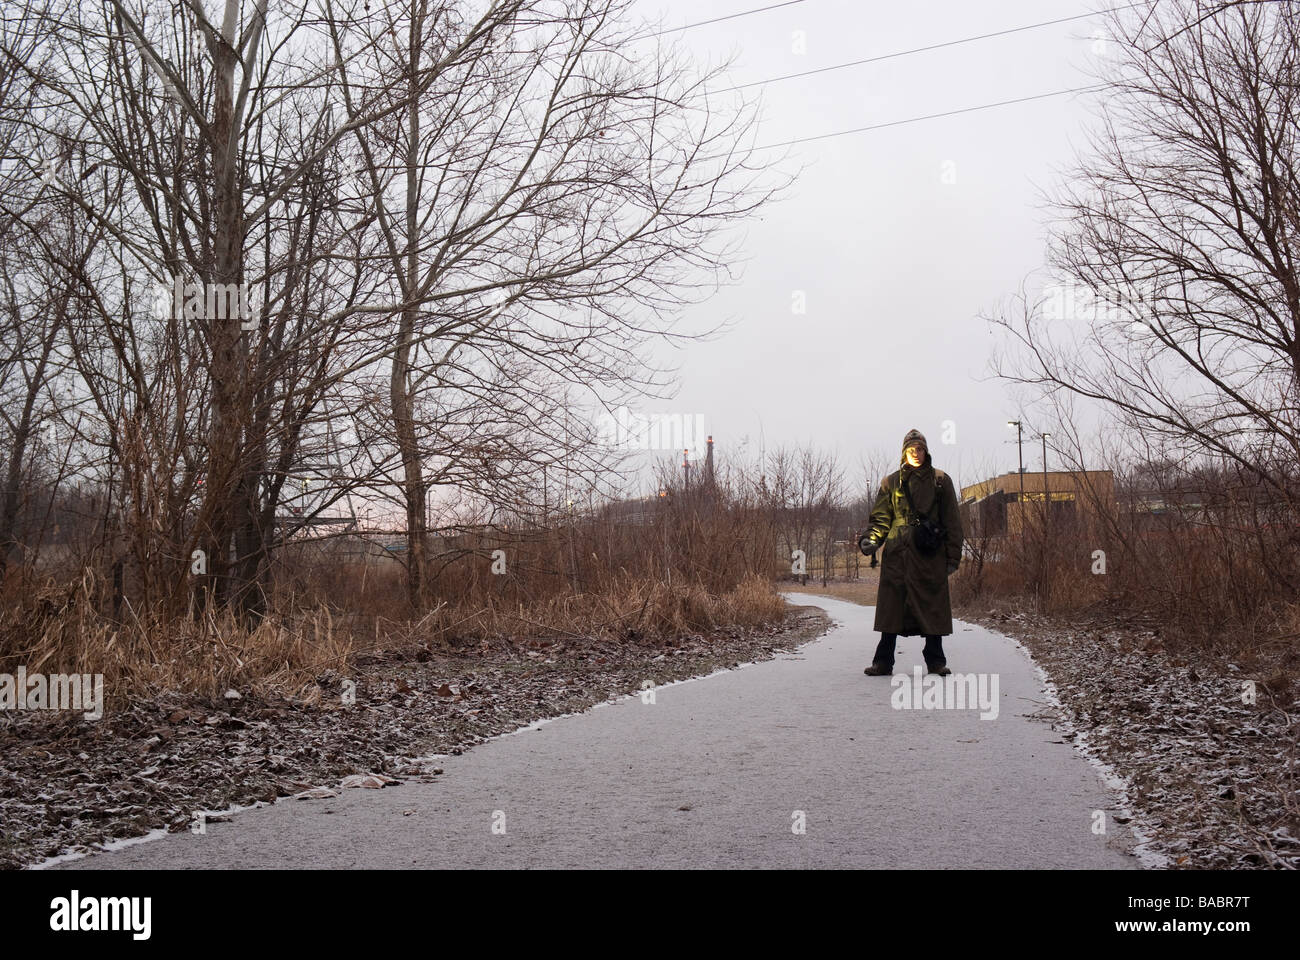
{"x": 934, "y": 116}
{"x": 730, "y": 16}
{"x": 934, "y": 46}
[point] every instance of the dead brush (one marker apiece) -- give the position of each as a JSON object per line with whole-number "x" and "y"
{"x": 1212, "y": 591}
{"x": 693, "y": 570}
{"x": 53, "y": 632}
{"x": 626, "y": 609}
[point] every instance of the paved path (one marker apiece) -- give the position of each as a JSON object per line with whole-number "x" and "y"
{"x": 711, "y": 775}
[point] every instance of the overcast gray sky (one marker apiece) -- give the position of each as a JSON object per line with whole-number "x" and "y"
{"x": 899, "y": 237}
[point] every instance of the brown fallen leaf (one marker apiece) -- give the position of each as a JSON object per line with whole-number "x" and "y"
{"x": 318, "y": 793}
{"x": 368, "y": 781}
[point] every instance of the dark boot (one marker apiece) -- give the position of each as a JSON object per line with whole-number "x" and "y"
{"x": 882, "y": 664}
{"x": 935, "y": 661}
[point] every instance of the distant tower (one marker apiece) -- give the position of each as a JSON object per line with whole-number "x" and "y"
{"x": 686, "y": 467}
{"x": 708, "y": 464}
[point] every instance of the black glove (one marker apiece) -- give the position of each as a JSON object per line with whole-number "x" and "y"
{"x": 867, "y": 545}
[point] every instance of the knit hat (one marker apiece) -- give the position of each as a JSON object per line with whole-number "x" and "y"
{"x": 914, "y": 436}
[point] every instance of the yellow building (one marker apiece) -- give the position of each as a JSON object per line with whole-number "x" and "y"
{"x": 1006, "y": 503}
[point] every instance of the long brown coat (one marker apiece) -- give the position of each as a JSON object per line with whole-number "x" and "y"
{"x": 913, "y": 596}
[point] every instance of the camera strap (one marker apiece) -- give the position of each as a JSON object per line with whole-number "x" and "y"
{"x": 934, "y": 507}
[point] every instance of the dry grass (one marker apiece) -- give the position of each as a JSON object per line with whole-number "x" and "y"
{"x": 52, "y": 627}
{"x": 1205, "y": 590}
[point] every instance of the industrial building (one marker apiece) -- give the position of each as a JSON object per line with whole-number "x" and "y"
{"x": 1009, "y": 504}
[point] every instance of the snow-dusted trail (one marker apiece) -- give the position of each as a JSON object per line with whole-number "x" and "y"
{"x": 719, "y": 772}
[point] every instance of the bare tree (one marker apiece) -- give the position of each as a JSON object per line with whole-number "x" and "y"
{"x": 1174, "y": 296}
{"x": 805, "y": 495}
{"x": 559, "y": 200}
{"x": 30, "y": 314}
{"x": 463, "y": 225}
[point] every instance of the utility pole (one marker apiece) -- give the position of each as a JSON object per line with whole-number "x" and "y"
{"x": 1020, "y": 454}
{"x": 1046, "y": 498}
{"x": 1047, "y": 519}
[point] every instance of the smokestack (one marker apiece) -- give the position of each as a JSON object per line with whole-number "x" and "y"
{"x": 708, "y": 462}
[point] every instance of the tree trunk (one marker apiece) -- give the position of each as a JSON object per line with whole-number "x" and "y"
{"x": 408, "y": 445}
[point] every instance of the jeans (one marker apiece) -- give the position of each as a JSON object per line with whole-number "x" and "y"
{"x": 933, "y": 651}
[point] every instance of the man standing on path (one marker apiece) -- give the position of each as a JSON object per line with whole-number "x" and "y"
{"x": 917, "y": 520}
